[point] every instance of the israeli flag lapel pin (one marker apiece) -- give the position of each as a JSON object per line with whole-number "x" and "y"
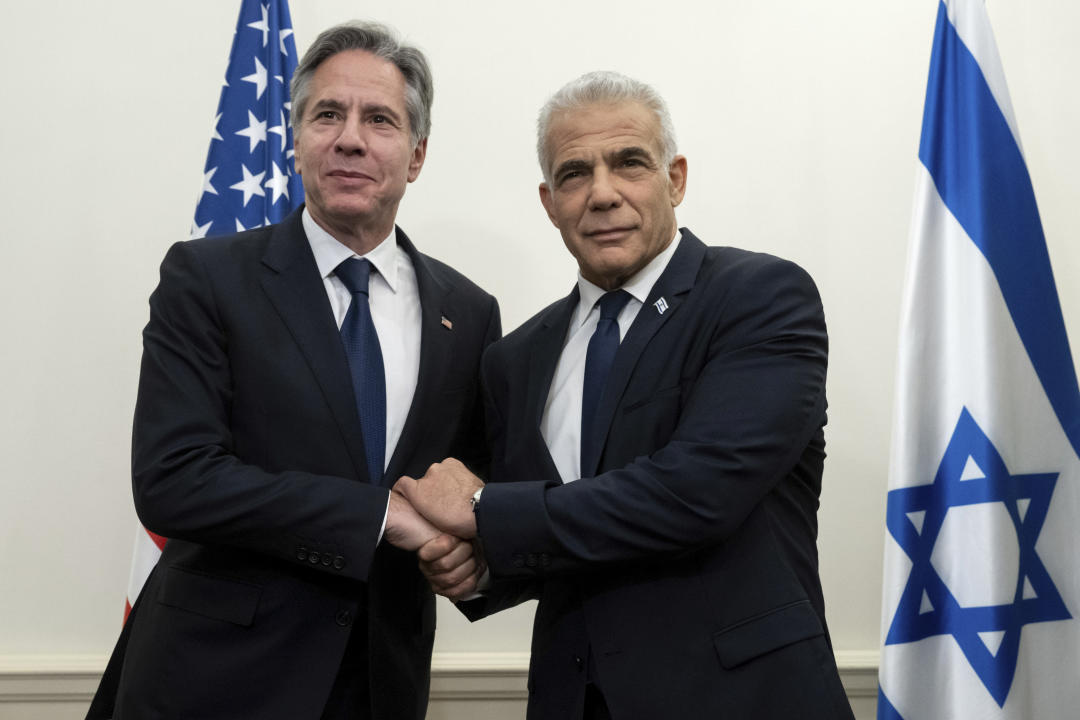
{"x": 660, "y": 305}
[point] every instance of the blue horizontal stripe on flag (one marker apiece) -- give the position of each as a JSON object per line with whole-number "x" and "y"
{"x": 980, "y": 174}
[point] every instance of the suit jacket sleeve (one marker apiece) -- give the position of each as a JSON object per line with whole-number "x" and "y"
{"x": 501, "y": 594}
{"x": 746, "y": 418}
{"x": 188, "y": 479}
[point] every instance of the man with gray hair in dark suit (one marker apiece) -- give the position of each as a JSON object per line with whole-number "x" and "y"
{"x": 289, "y": 375}
{"x": 657, "y": 451}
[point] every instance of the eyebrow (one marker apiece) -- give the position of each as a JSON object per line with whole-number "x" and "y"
{"x": 375, "y": 109}
{"x": 632, "y": 153}
{"x": 327, "y": 104}
{"x": 571, "y": 166}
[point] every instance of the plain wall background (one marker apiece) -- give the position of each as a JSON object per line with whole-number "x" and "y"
{"x": 800, "y": 122}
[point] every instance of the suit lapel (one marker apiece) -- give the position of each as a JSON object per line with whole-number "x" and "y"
{"x": 291, "y": 280}
{"x": 672, "y": 286}
{"x": 545, "y": 348}
{"x": 544, "y": 351}
{"x": 436, "y": 342}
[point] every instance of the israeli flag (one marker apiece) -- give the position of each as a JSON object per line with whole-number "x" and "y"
{"x": 982, "y": 581}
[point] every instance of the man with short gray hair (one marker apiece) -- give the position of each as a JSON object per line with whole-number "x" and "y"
{"x": 289, "y": 374}
{"x": 657, "y": 451}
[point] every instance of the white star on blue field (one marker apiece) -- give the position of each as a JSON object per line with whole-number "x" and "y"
{"x": 927, "y": 606}
{"x": 249, "y": 179}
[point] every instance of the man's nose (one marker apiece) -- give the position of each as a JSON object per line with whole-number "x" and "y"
{"x": 604, "y": 193}
{"x": 351, "y": 139}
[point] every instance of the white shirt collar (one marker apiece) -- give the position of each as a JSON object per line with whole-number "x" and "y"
{"x": 639, "y": 285}
{"x": 330, "y": 252}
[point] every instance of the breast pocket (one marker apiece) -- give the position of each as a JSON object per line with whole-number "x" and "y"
{"x": 645, "y": 424}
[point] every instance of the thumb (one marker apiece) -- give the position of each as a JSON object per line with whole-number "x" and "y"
{"x": 438, "y": 547}
{"x": 405, "y": 486}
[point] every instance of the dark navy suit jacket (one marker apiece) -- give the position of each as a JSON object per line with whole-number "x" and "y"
{"x": 682, "y": 579}
{"x": 247, "y": 453}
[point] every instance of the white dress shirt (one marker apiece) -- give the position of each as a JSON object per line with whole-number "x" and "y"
{"x": 395, "y": 308}
{"x": 561, "y": 423}
{"x": 394, "y": 298}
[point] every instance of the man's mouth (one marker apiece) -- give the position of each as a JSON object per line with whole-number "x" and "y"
{"x": 608, "y": 233}
{"x": 349, "y": 175}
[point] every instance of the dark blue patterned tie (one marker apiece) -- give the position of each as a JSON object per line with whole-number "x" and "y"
{"x": 365, "y": 363}
{"x": 603, "y": 345}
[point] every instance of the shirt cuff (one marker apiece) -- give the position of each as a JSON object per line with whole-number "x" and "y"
{"x": 386, "y": 514}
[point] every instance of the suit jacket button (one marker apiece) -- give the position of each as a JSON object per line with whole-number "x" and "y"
{"x": 531, "y": 560}
{"x": 313, "y": 558}
{"x": 326, "y": 559}
{"x": 519, "y": 560}
{"x": 344, "y": 618}
{"x": 339, "y": 562}
{"x": 545, "y": 560}
{"x": 301, "y": 554}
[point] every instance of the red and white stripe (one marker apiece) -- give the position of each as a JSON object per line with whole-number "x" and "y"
{"x": 148, "y": 547}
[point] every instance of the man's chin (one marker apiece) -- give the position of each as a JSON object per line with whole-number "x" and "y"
{"x": 608, "y": 273}
{"x": 349, "y": 214}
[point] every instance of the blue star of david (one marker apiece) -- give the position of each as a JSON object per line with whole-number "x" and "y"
{"x": 1043, "y": 602}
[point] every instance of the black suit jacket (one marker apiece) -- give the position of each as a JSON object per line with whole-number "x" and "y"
{"x": 681, "y": 579}
{"x": 247, "y": 453}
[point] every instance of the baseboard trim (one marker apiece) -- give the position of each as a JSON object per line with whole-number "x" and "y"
{"x": 455, "y": 676}
{"x": 858, "y": 672}
{"x": 49, "y": 679}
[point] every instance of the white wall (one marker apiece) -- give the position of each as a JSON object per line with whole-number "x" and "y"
{"x": 800, "y": 121}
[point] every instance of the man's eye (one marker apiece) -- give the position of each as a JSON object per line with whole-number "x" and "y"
{"x": 379, "y": 119}
{"x": 326, "y": 115}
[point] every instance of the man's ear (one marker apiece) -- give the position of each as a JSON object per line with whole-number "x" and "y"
{"x": 417, "y": 160}
{"x": 677, "y": 178}
{"x": 548, "y": 203}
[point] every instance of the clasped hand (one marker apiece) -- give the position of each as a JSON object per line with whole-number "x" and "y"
{"x": 433, "y": 515}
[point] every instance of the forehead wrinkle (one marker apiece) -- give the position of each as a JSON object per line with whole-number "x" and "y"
{"x": 629, "y": 151}
{"x": 604, "y": 143}
{"x": 329, "y": 102}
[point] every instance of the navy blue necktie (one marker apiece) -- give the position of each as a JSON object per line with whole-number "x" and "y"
{"x": 365, "y": 363}
{"x": 603, "y": 345}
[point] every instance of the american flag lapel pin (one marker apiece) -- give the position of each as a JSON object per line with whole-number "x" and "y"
{"x": 660, "y": 305}
{"x": 446, "y": 322}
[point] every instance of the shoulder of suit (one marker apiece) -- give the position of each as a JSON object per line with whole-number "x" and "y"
{"x": 730, "y": 263}
{"x": 523, "y": 334}
{"x": 253, "y": 240}
{"x": 451, "y": 277}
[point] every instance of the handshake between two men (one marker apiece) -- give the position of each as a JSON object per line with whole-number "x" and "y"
{"x": 433, "y": 515}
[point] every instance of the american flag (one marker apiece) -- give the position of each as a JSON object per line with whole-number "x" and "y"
{"x": 249, "y": 179}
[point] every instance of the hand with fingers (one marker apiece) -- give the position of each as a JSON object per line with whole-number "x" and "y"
{"x": 443, "y": 496}
{"x": 405, "y": 527}
{"x": 453, "y": 566}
